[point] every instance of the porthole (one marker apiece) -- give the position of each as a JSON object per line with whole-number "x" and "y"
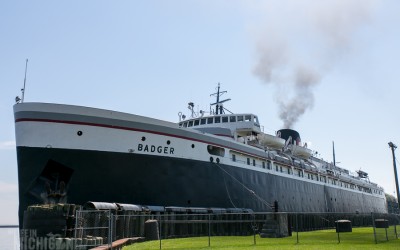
{"x": 143, "y": 138}
{"x": 168, "y": 142}
{"x": 79, "y": 133}
{"x": 211, "y": 159}
{"x": 192, "y": 145}
{"x": 217, "y": 160}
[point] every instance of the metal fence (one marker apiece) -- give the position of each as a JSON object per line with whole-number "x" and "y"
{"x": 95, "y": 228}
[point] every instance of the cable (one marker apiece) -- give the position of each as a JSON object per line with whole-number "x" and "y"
{"x": 227, "y": 191}
{"x": 248, "y": 189}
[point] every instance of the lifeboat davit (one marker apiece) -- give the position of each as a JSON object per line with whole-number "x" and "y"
{"x": 271, "y": 141}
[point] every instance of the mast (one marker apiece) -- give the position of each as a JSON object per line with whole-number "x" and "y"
{"x": 218, "y": 104}
{"x": 334, "y": 159}
{"x": 393, "y": 147}
{"x": 23, "y": 89}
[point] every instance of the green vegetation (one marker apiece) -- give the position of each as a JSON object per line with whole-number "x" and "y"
{"x": 360, "y": 238}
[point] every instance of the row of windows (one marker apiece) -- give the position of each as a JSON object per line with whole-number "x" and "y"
{"x": 219, "y": 119}
{"x": 300, "y": 173}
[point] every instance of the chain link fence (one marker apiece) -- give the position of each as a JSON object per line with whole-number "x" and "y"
{"x": 96, "y": 227}
{"x": 93, "y": 228}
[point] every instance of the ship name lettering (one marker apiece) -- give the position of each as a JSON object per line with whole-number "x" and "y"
{"x": 153, "y": 149}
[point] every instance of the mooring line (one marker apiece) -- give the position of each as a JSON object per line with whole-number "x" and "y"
{"x": 245, "y": 187}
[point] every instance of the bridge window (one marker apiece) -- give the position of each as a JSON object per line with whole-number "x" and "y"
{"x": 203, "y": 121}
{"x": 217, "y": 119}
{"x": 240, "y": 118}
{"x": 232, "y": 118}
{"x": 190, "y": 124}
{"x": 196, "y": 122}
{"x": 247, "y": 118}
{"x": 210, "y": 120}
{"x": 225, "y": 119}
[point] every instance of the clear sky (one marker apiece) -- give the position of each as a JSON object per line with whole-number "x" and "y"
{"x": 335, "y": 60}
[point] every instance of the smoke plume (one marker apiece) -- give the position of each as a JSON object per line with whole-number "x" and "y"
{"x": 300, "y": 42}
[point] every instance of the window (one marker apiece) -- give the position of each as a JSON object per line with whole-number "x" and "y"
{"x": 276, "y": 168}
{"x": 248, "y": 161}
{"x": 210, "y": 120}
{"x": 203, "y": 121}
{"x": 254, "y": 162}
{"x": 196, "y": 122}
{"x": 247, "y": 118}
{"x": 232, "y": 118}
{"x": 281, "y": 169}
{"x": 185, "y": 124}
{"x": 225, "y": 119}
{"x": 217, "y": 119}
{"x": 233, "y": 157}
{"x": 263, "y": 164}
{"x": 299, "y": 173}
{"x": 180, "y": 125}
{"x": 190, "y": 124}
{"x": 240, "y": 118}
{"x": 268, "y": 164}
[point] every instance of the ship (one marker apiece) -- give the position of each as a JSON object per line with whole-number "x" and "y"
{"x": 217, "y": 159}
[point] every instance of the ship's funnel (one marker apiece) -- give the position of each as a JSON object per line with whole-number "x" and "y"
{"x": 286, "y": 133}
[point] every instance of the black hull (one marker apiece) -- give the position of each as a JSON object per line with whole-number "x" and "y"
{"x": 166, "y": 181}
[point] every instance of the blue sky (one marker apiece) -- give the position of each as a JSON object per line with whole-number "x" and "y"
{"x": 153, "y": 57}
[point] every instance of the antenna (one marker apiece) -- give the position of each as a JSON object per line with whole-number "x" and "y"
{"x": 23, "y": 89}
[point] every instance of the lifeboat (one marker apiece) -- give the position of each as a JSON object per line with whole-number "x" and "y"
{"x": 271, "y": 141}
{"x": 300, "y": 151}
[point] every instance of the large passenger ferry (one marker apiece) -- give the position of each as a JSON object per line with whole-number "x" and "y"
{"x": 74, "y": 154}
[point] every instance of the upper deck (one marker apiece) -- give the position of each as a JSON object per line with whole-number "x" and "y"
{"x": 238, "y": 124}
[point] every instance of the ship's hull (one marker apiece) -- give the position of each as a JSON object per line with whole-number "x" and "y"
{"x": 158, "y": 167}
